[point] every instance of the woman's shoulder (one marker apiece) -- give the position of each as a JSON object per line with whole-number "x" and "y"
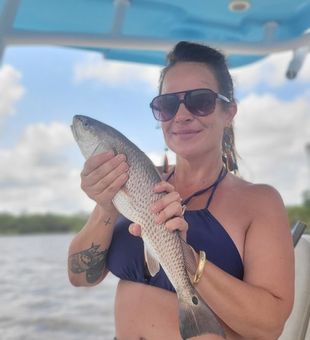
{"x": 257, "y": 189}
{"x": 263, "y": 209}
{"x": 257, "y": 195}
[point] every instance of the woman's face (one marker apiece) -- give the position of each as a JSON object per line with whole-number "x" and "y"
{"x": 186, "y": 134}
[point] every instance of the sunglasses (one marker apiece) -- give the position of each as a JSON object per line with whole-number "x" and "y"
{"x": 199, "y": 102}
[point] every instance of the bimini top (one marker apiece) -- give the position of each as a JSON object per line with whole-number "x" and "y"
{"x": 144, "y": 30}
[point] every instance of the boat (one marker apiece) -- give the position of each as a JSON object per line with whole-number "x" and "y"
{"x": 143, "y": 31}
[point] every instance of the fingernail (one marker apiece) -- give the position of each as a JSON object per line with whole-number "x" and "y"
{"x": 124, "y": 175}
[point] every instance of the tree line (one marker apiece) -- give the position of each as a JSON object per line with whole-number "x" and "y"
{"x": 40, "y": 223}
{"x": 56, "y": 223}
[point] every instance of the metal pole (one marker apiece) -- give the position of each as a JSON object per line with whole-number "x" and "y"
{"x": 297, "y": 231}
{"x": 6, "y": 22}
{"x": 299, "y": 56}
{"x": 120, "y": 12}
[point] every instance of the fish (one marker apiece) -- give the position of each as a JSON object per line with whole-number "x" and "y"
{"x": 161, "y": 247}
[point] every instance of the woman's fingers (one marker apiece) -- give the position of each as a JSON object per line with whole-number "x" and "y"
{"x": 99, "y": 167}
{"x": 172, "y": 196}
{"x": 107, "y": 194}
{"x": 178, "y": 223}
{"x": 164, "y": 187}
{"x": 135, "y": 229}
{"x": 168, "y": 205}
{"x": 171, "y": 209}
{"x": 95, "y": 161}
{"x": 109, "y": 180}
{"x": 103, "y": 176}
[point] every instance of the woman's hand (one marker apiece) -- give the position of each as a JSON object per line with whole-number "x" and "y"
{"x": 168, "y": 210}
{"x": 102, "y": 177}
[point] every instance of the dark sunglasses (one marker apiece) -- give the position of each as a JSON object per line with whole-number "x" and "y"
{"x": 199, "y": 102}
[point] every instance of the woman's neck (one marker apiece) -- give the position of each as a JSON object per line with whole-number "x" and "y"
{"x": 193, "y": 175}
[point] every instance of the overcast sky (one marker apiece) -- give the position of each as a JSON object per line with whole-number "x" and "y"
{"x": 42, "y": 88}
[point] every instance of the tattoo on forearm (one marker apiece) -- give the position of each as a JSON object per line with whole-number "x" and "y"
{"x": 91, "y": 261}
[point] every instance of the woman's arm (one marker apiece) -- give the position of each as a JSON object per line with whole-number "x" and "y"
{"x": 102, "y": 177}
{"x": 257, "y": 307}
{"x": 88, "y": 249}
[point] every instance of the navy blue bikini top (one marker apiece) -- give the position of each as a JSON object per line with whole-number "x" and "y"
{"x": 125, "y": 257}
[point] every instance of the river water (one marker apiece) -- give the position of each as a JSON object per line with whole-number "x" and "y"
{"x": 38, "y": 302}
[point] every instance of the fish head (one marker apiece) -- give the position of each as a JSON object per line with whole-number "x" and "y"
{"x": 91, "y": 135}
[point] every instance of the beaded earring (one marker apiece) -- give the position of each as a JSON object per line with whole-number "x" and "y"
{"x": 165, "y": 162}
{"x": 228, "y": 147}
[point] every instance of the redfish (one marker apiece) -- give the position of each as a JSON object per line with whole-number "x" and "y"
{"x": 162, "y": 247}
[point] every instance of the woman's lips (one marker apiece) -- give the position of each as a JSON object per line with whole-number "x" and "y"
{"x": 185, "y": 132}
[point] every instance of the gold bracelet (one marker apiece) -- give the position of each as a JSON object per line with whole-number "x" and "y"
{"x": 200, "y": 267}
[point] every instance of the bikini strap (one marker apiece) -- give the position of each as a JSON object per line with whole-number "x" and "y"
{"x": 214, "y": 185}
{"x": 221, "y": 177}
{"x": 170, "y": 175}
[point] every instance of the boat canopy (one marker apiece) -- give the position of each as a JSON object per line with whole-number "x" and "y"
{"x": 143, "y": 31}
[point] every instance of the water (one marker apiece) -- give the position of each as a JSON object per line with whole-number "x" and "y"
{"x": 38, "y": 302}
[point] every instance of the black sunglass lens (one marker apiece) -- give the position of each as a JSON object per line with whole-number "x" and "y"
{"x": 201, "y": 102}
{"x": 165, "y": 106}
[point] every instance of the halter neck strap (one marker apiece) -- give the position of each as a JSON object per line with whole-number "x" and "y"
{"x": 220, "y": 177}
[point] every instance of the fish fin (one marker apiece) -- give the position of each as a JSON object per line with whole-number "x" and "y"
{"x": 151, "y": 262}
{"x": 189, "y": 257}
{"x": 196, "y": 317}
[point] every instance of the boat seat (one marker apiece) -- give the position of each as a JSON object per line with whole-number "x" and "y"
{"x": 297, "y": 326}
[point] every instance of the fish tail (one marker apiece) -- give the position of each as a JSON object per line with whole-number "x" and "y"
{"x": 196, "y": 317}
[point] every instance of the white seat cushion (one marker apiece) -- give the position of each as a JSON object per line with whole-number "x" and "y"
{"x": 297, "y": 326}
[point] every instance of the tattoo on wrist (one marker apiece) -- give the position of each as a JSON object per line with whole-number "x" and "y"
{"x": 107, "y": 221}
{"x": 91, "y": 261}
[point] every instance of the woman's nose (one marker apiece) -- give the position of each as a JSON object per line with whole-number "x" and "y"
{"x": 183, "y": 113}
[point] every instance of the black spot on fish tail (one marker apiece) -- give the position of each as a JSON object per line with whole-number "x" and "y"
{"x": 196, "y": 317}
{"x": 195, "y": 300}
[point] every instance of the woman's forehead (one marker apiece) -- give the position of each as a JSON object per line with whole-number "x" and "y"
{"x": 189, "y": 75}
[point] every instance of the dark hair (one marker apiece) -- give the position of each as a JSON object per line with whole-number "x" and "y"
{"x": 192, "y": 52}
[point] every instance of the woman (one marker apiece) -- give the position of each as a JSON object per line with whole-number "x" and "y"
{"x": 247, "y": 278}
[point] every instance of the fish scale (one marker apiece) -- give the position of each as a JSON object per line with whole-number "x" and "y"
{"x": 133, "y": 201}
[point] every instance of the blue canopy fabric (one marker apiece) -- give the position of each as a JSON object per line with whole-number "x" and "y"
{"x": 144, "y": 30}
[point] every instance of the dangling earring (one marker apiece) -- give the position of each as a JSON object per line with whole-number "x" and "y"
{"x": 229, "y": 157}
{"x": 165, "y": 162}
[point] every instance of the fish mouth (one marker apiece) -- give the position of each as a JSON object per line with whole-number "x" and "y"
{"x": 74, "y": 133}
{"x": 75, "y": 121}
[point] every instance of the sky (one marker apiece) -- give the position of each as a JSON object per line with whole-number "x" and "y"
{"x": 42, "y": 88}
